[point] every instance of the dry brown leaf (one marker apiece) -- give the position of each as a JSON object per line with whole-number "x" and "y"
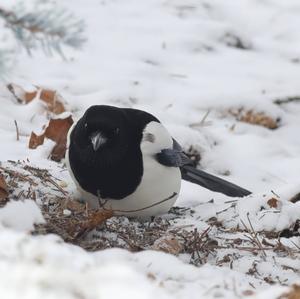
{"x": 54, "y": 101}
{"x": 57, "y": 128}
{"x": 36, "y": 140}
{"x": 293, "y": 294}
{"x": 96, "y": 218}
{"x": 273, "y": 202}
{"x": 57, "y": 131}
{"x": 20, "y": 94}
{"x": 151, "y": 276}
{"x": 255, "y": 118}
{"x": 3, "y": 189}
{"x": 259, "y": 118}
{"x": 248, "y": 293}
{"x": 74, "y": 206}
{"x": 76, "y": 229}
{"x": 168, "y": 244}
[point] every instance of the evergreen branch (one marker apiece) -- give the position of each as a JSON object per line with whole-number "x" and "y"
{"x": 49, "y": 27}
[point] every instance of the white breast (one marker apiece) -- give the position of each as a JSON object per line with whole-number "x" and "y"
{"x": 159, "y": 187}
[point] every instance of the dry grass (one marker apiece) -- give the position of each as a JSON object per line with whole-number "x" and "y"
{"x": 97, "y": 230}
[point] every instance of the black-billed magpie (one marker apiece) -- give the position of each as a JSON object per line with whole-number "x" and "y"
{"x": 125, "y": 160}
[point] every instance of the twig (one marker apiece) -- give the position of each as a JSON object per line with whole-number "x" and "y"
{"x": 275, "y": 194}
{"x": 13, "y": 174}
{"x": 17, "y": 130}
{"x": 202, "y": 122}
{"x": 101, "y": 201}
{"x": 145, "y": 208}
{"x": 231, "y": 206}
{"x": 44, "y": 175}
{"x": 253, "y": 234}
{"x": 245, "y": 248}
{"x": 295, "y": 245}
{"x": 287, "y": 100}
{"x": 57, "y": 186}
{"x": 11, "y": 88}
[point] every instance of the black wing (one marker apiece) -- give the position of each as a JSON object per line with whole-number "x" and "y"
{"x": 176, "y": 158}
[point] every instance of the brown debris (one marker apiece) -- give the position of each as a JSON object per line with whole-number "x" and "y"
{"x": 248, "y": 293}
{"x": 54, "y": 101}
{"x": 273, "y": 202}
{"x": 98, "y": 230}
{"x": 36, "y": 140}
{"x": 255, "y": 118}
{"x": 169, "y": 244}
{"x": 294, "y": 293}
{"x": 194, "y": 155}
{"x": 20, "y": 94}
{"x": 3, "y": 189}
{"x": 57, "y": 131}
{"x": 88, "y": 221}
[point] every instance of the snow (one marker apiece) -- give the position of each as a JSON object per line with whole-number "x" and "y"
{"x": 21, "y": 215}
{"x": 177, "y": 60}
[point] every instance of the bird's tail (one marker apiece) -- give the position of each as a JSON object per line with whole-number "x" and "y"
{"x": 211, "y": 182}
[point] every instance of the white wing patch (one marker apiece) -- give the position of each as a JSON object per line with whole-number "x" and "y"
{"x": 155, "y": 138}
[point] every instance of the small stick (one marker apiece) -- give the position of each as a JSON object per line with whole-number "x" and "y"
{"x": 144, "y": 208}
{"x": 295, "y": 244}
{"x": 253, "y": 234}
{"x": 275, "y": 194}
{"x": 202, "y": 122}
{"x": 16, "y": 174}
{"x": 17, "y": 130}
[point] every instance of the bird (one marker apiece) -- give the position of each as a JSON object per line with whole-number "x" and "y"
{"x": 126, "y": 161}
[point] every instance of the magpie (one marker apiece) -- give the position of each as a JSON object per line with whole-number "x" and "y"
{"x": 125, "y": 160}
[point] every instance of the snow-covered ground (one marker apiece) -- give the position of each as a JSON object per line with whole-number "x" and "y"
{"x": 178, "y": 60}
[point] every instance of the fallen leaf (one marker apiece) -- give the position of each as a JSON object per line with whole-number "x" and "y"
{"x": 273, "y": 202}
{"x": 36, "y": 140}
{"x": 57, "y": 128}
{"x": 168, "y": 244}
{"x": 255, "y": 118}
{"x": 75, "y": 206}
{"x": 259, "y": 118}
{"x": 3, "y": 189}
{"x": 76, "y": 229}
{"x": 95, "y": 218}
{"x": 57, "y": 131}
{"x": 151, "y": 276}
{"x": 53, "y": 100}
{"x": 248, "y": 293}
{"x": 20, "y": 94}
{"x": 294, "y": 293}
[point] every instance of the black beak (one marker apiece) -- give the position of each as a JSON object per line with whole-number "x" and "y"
{"x": 97, "y": 139}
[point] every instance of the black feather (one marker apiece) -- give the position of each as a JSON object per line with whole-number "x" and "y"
{"x": 211, "y": 182}
{"x": 176, "y": 158}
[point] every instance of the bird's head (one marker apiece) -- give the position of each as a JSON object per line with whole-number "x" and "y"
{"x": 102, "y": 129}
